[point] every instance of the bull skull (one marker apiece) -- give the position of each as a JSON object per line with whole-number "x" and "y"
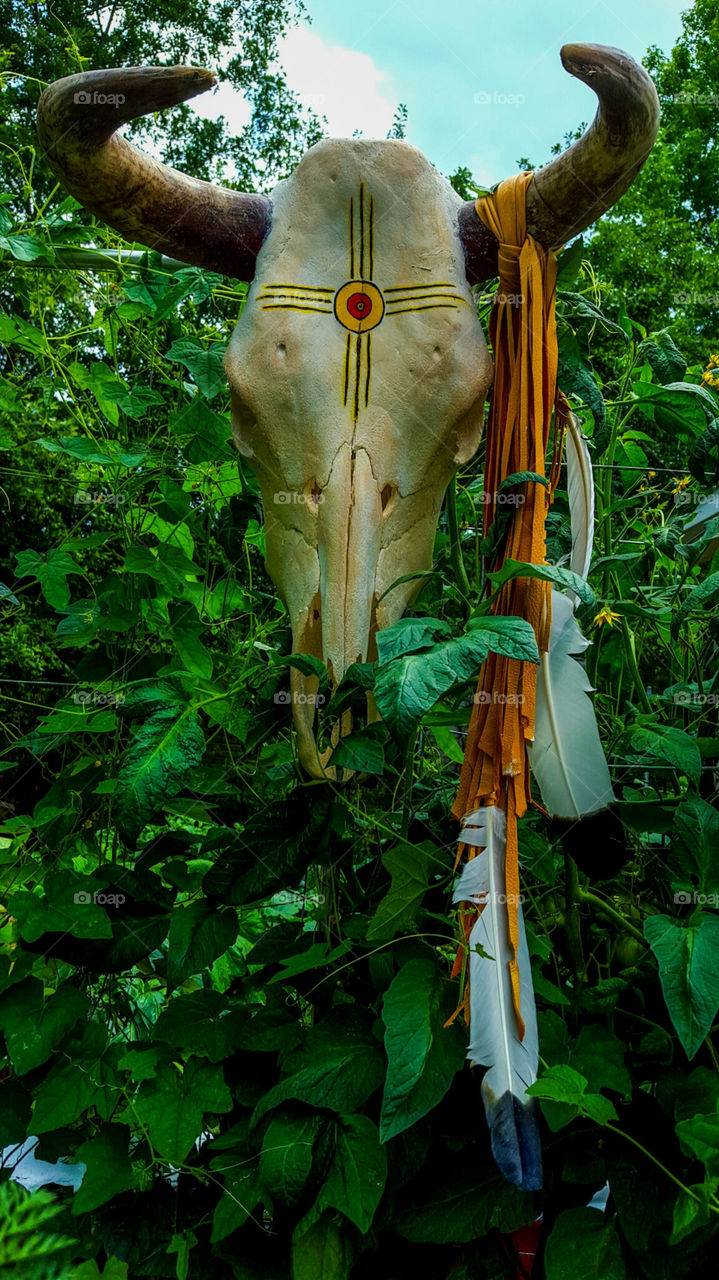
{"x": 358, "y": 368}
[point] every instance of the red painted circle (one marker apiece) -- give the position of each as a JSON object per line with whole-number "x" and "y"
{"x": 359, "y": 306}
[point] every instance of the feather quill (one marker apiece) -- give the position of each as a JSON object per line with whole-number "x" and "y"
{"x": 495, "y": 1043}
{"x": 566, "y": 757}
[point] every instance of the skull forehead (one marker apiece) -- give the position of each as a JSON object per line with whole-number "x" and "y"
{"x": 359, "y": 325}
{"x": 402, "y": 183}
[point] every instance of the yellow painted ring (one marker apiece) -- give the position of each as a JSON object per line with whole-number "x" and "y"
{"x": 359, "y": 306}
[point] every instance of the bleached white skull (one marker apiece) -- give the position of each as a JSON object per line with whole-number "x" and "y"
{"x": 358, "y": 368}
{"x": 358, "y": 372}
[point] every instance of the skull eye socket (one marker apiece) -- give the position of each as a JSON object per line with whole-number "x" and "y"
{"x": 387, "y": 496}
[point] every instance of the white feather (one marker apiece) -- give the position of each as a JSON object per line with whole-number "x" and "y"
{"x": 580, "y": 490}
{"x": 494, "y": 1038}
{"x": 566, "y": 757}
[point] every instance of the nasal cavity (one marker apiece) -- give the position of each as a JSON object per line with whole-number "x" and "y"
{"x": 387, "y": 495}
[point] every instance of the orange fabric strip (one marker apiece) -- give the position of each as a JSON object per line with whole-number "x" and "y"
{"x": 523, "y": 336}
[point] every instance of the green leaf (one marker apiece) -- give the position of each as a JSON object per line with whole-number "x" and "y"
{"x": 409, "y": 635}
{"x": 665, "y": 742}
{"x": 692, "y": 1211}
{"x": 410, "y": 867}
{"x": 111, "y": 454}
{"x": 182, "y": 1246}
{"x": 570, "y": 261}
{"x": 51, "y": 572}
{"x": 174, "y": 1102}
{"x": 562, "y": 1083}
{"x": 664, "y": 356}
{"x": 322, "y": 1252}
{"x": 199, "y": 933}
{"x": 687, "y": 953}
{"x": 585, "y": 1244}
{"x": 66, "y": 906}
{"x": 700, "y": 1135}
{"x": 26, "y": 248}
{"x": 108, "y": 1171}
{"x": 362, "y": 752}
{"x": 461, "y": 1201}
{"x": 202, "y": 1022}
{"x": 358, "y": 1173}
{"x": 423, "y": 1055}
{"x": 70, "y": 1088}
{"x": 339, "y": 1067}
{"x": 546, "y": 573}
{"x": 695, "y": 846}
{"x": 408, "y": 686}
{"x": 34, "y": 1029}
{"x": 682, "y": 407}
{"x": 696, "y": 601}
{"x": 161, "y": 754}
{"x": 204, "y": 364}
{"x": 286, "y": 1156}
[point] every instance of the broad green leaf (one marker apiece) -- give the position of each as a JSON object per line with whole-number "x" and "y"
{"x": 546, "y": 573}
{"x": 70, "y": 1088}
{"x": 160, "y": 755}
{"x": 681, "y": 407}
{"x": 700, "y": 1135}
{"x": 361, "y": 752}
{"x": 26, "y": 248}
{"x": 35, "y": 1028}
{"x": 108, "y": 1172}
{"x": 511, "y": 636}
{"x": 462, "y": 1200}
{"x": 357, "y": 1175}
{"x": 584, "y": 1243}
{"x": 696, "y": 600}
{"x": 562, "y": 1083}
{"x": 204, "y": 364}
{"x": 664, "y": 356}
{"x": 339, "y": 1067}
{"x": 687, "y": 953}
{"x": 182, "y": 1246}
{"x": 66, "y": 906}
{"x": 241, "y": 1194}
{"x": 113, "y": 1270}
{"x": 286, "y": 1156}
{"x": 409, "y": 635}
{"x": 199, "y": 933}
{"x": 322, "y": 1252}
{"x": 108, "y": 454}
{"x": 692, "y": 1211}
{"x": 695, "y": 847}
{"x": 174, "y": 1102}
{"x": 423, "y": 1055}
{"x": 665, "y": 742}
{"x": 407, "y": 687}
{"x": 51, "y": 572}
{"x": 410, "y": 867}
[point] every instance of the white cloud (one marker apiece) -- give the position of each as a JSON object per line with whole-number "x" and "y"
{"x": 341, "y": 84}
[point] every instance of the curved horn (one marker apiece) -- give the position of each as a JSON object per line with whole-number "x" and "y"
{"x": 197, "y": 222}
{"x": 581, "y": 184}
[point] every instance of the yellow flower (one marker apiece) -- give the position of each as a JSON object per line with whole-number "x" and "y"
{"x": 709, "y": 378}
{"x": 651, "y": 475}
{"x": 713, "y": 362}
{"x": 679, "y": 485}
{"x": 605, "y": 615}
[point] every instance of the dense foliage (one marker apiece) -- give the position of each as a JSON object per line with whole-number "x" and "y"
{"x": 223, "y": 987}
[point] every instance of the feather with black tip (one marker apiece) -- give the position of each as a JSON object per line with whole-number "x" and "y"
{"x": 495, "y": 1041}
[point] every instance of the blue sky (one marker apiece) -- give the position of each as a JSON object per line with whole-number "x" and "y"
{"x": 483, "y": 82}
